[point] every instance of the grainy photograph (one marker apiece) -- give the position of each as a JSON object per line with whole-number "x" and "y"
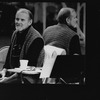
{"x": 43, "y": 43}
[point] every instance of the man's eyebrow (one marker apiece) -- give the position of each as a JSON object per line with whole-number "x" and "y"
{"x": 22, "y": 19}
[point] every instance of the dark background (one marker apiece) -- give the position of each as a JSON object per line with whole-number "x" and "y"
{"x": 87, "y": 92}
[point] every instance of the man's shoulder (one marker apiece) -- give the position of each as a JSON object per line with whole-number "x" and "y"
{"x": 51, "y": 28}
{"x": 14, "y": 34}
{"x": 34, "y": 31}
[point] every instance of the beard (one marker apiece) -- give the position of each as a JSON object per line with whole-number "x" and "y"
{"x": 18, "y": 27}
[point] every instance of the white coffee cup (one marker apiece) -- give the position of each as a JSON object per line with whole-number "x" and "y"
{"x": 23, "y": 64}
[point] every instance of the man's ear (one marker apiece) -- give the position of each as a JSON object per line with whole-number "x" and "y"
{"x": 68, "y": 20}
{"x": 30, "y": 22}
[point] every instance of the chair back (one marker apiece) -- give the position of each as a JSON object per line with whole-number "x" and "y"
{"x": 3, "y": 54}
{"x": 69, "y": 68}
{"x": 51, "y": 52}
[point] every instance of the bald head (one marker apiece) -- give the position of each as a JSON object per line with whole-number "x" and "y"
{"x": 63, "y": 14}
{"x": 67, "y": 16}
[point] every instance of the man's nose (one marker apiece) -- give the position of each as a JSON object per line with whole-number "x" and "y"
{"x": 76, "y": 20}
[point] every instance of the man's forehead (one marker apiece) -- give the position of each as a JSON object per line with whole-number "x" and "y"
{"x": 22, "y": 11}
{"x": 23, "y": 14}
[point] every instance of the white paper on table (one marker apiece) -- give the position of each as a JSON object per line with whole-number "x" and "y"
{"x": 18, "y": 70}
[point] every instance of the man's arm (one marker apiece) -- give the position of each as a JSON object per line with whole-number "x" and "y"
{"x": 74, "y": 48}
{"x": 34, "y": 51}
{"x": 7, "y": 65}
{"x": 8, "y": 79}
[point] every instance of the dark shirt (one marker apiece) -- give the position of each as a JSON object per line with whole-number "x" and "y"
{"x": 19, "y": 41}
{"x": 74, "y": 46}
{"x": 25, "y": 45}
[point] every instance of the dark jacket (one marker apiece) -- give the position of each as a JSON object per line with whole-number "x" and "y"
{"x": 31, "y": 48}
{"x": 62, "y": 36}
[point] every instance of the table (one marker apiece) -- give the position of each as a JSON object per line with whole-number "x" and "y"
{"x": 36, "y": 70}
{"x": 26, "y": 71}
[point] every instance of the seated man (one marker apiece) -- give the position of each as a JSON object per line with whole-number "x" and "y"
{"x": 63, "y": 35}
{"x": 26, "y": 43}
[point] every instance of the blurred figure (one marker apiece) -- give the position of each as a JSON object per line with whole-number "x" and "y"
{"x": 26, "y": 43}
{"x": 63, "y": 35}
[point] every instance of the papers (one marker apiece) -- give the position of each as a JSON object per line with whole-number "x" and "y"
{"x": 33, "y": 70}
{"x": 28, "y": 68}
{"x": 14, "y": 70}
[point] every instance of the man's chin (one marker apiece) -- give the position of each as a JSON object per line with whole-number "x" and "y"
{"x": 75, "y": 26}
{"x": 19, "y": 29}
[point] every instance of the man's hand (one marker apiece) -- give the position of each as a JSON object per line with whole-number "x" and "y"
{"x": 7, "y": 79}
{"x": 3, "y": 80}
{"x": 2, "y": 73}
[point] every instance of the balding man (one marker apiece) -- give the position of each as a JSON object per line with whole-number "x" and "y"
{"x": 63, "y": 35}
{"x": 26, "y": 43}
